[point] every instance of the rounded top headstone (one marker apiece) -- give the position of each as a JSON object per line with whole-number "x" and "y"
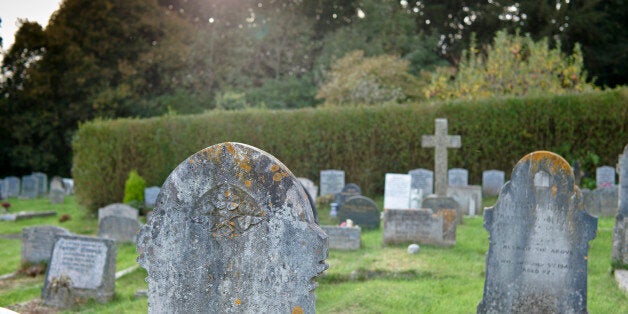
{"x": 234, "y": 231}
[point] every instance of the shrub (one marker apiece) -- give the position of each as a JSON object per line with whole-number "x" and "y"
{"x": 134, "y": 188}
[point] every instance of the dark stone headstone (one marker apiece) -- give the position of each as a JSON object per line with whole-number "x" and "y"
{"x": 81, "y": 268}
{"x": 118, "y": 222}
{"x": 362, "y": 210}
{"x": 348, "y": 191}
{"x": 37, "y": 243}
{"x": 343, "y": 238}
{"x": 420, "y": 226}
{"x": 13, "y": 186}
{"x": 539, "y": 241}
{"x": 241, "y": 231}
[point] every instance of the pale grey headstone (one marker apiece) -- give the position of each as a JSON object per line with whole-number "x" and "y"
{"x": 422, "y": 179}
{"x": 604, "y": 177}
{"x": 332, "y": 181}
{"x": 118, "y": 222}
{"x": 80, "y": 268}
{"x": 233, "y": 232}
{"x": 150, "y": 196}
{"x": 309, "y": 187}
{"x": 42, "y": 183}
{"x": 440, "y": 141}
{"x": 4, "y": 191}
{"x": 469, "y": 198}
{"x": 362, "y": 210}
{"x": 37, "y": 243}
{"x": 29, "y": 187}
{"x": 348, "y": 191}
{"x": 619, "y": 256}
{"x": 492, "y": 181}
{"x": 539, "y": 240}
{"x": 419, "y": 226}
{"x": 343, "y": 238}
{"x": 397, "y": 191}
{"x": 458, "y": 177}
{"x": 57, "y": 191}
{"x": 68, "y": 183}
{"x": 13, "y": 186}
{"x": 601, "y": 202}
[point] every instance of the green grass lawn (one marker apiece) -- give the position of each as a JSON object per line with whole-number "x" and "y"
{"x": 374, "y": 279}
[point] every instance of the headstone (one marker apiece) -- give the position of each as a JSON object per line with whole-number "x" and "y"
{"x": 13, "y": 186}
{"x": 42, "y": 183}
{"x": 416, "y": 197}
{"x": 309, "y": 187}
{"x": 492, "y": 181}
{"x": 37, "y": 243}
{"x": 150, "y": 196}
{"x": 241, "y": 231}
{"x": 343, "y": 238}
{"x": 458, "y": 177}
{"x": 619, "y": 256}
{"x": 420, "y": 226}
{"x": 348, "y": 191}
{"x": 118, "y": 222}
{"x": 57, "y": 191}
{"x": 81, "y": 268}
{"x": 332, "y": 181}
{"x": 397, "y": 191}
{"x": 469, "y": 198}
{"x": 437, "y": 204}
{"x": 29, "y": 187}
{"x": 604, "y": 177}
{"x": 602, "y": 202}
{"x": 68, "y": 183}
{"x": 539, "y": 241}
{"x": 422, "y": 179}
{"x": 440, "y": 141}
{"x": 362, "y": 210}
{"x": 4, "y": 192}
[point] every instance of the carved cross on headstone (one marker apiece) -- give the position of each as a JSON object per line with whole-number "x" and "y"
{"x": 440, "y": 141}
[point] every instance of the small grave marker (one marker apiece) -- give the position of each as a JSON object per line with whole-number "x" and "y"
{"x": 604, "y": 177}
{"x": 492, "y": 181}
{"x": 458, "y": 177}
{"x": 118, "y": 222}
{"x": 332, "y": 181}
{"x": 343, "y": 238}
{"x": 420, "y": 226}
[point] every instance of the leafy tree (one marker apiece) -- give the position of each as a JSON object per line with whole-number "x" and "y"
{"x": 513, "y": 65}
{"x": 356, "y": 79}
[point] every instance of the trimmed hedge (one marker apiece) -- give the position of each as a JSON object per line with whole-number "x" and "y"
{"x": 366, "y": 142}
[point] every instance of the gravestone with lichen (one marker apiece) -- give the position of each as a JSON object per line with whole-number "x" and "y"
{"x": 539, "y": 238}
{"x": 233, "y": 232}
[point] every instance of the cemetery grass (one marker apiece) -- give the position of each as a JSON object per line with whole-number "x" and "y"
{"x": 374, "y": 279}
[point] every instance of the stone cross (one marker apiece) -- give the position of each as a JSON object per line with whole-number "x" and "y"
{"x": 440, "y": 141}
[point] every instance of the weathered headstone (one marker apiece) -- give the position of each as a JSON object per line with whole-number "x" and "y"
{"x": 419, "y": 226}
{"x": 492, "y": 181}
{"x": 150, "y": 196}
{"x": 68, "y": 183}
{"x": 458, "y": 177}
{"x": 619, "y": 256}
{"x": 332, "y": 181}
{"x": 422, "y": 179}
{"x": 42, "y": 183}
{"x": 362, "y": 210}
{"x": 37, "y": 243}
{"x": 602, "y": 202}
{"x": 29, "y": 187}
{"x": 437, "y": 204}
{"x": 309, "y": 187}
{"x": 118, "y": 222}
{"x": 397, "y": 191}
{"x": 604, "y": 177}
{"x": 57, "y": 191}
{"x": 4, "y": 191}
{"x": 539, "y": 239}
{"x": 240, "y": 229}
{"x": 469, "y": 198}
{"x": 81, "y": 268}
{"x": 440, "y": 141}
{"x": 343, "y": 238}
{"x": 348, "y": 191}
{"x": 13, "y": 186}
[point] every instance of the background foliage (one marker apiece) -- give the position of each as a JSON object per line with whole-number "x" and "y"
{"x": 365, "y": 141}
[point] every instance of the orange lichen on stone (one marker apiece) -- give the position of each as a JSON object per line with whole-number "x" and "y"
{"x": 554, "y": 190}
{"x": 245, "y": 166}
{"x": 238, "y": 302}
{"x": 277, "y": 176}
{"x": 297, "y": 310}
{"x": 230, "y": 148}
{"x": 274, "y": 168}
{"x": 545, "y": 157}
{"x": 247, "y": 183}
{"x": 227, "y": 193}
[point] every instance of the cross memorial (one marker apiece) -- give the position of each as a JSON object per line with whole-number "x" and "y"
{"x": 440, "y": 141}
